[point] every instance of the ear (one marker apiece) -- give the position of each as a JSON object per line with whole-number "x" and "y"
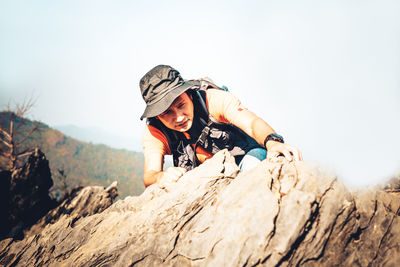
{"x": 189, "y": 95}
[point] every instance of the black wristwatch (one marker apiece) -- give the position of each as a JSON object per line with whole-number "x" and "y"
{"x": 273, "y": 137}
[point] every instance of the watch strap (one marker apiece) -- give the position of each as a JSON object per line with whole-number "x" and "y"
{"x": 273, "y": 137}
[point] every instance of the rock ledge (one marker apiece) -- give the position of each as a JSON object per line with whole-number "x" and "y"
{"x": 277, "y": 214}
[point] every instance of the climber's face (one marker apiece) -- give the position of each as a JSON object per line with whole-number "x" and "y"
{"x": 179, "y": 116}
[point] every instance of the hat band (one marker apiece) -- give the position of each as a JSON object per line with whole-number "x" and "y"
{"x": 161, "y": 95}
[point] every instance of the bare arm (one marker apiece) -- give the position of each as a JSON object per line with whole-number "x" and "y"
{"x": 152, "y": 168}
{"x": 153, "y": 163}
{"x": 258, "y": 129}
{"x": 232, "y": 111}
{"x": 153, "y": 172}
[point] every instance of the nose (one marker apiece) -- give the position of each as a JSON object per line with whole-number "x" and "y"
{"x": 180, "y": 118}
{"x": 179, "y": 115}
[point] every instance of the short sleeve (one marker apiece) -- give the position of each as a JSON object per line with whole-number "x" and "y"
{"x": 154, "y": 141}
{"x": 223, "y": 106}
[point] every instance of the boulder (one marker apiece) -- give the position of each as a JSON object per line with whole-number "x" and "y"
{"x": 278, "y": 214}
{"x": 25, "y": 195}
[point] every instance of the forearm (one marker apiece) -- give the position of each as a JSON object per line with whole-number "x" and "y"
{"x": 172, "y": 174}
{"x": 151, "y": 177}
{"x": 260, "y": 130}
{"x": 152, "y": 169}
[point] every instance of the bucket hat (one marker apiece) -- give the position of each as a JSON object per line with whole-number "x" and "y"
{"x": 160, "y": 87}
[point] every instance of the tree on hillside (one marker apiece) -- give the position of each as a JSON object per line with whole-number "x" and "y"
{"x": 13, "y": 136}
{"x": 60, "y": 189}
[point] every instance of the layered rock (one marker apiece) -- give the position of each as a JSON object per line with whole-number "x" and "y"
{"x": 277, "y": 214}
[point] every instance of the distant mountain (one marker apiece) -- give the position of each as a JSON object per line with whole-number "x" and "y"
{"x": 84, "y": 163}
{"x": 97, "y": 135}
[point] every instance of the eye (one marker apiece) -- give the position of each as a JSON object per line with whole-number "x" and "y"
{"x": 181, "y": 105}
{"x": 168, "y": 111}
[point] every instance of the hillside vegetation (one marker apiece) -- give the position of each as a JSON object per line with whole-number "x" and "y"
{"x": 83, "y": 163}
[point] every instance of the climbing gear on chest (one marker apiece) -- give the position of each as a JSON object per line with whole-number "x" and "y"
{"x": 205, "y": 133}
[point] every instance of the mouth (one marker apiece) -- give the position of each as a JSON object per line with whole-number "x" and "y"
{"x": 183, "y": 124}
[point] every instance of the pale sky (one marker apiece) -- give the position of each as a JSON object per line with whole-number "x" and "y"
{"x": 324, "y": 74}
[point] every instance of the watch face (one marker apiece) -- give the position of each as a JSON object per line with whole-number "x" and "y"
{"x": 273, "y": 137}
{"x": 276, "y": 137}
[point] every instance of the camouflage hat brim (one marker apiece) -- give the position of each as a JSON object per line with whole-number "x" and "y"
{"x": 158, "y": 107}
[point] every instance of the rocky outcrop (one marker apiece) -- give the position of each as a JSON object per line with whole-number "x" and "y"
{"x": 25, "y": 195}
{"x": 277, "y": 214}
{"x": 79, "y": 203}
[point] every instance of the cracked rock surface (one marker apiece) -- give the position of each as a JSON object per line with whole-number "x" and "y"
{"x": 277, "y": 214}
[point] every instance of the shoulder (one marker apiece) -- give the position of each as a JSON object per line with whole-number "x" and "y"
{"x": 220, "y": 96}
{"x": 154, "y": 140}
{"x": 152, "y": 131}
{"x": 221, "y": 104}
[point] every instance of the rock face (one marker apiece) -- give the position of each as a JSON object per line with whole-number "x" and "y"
{"x": 277, "y": 214}
{"x": 25, "y": 195}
